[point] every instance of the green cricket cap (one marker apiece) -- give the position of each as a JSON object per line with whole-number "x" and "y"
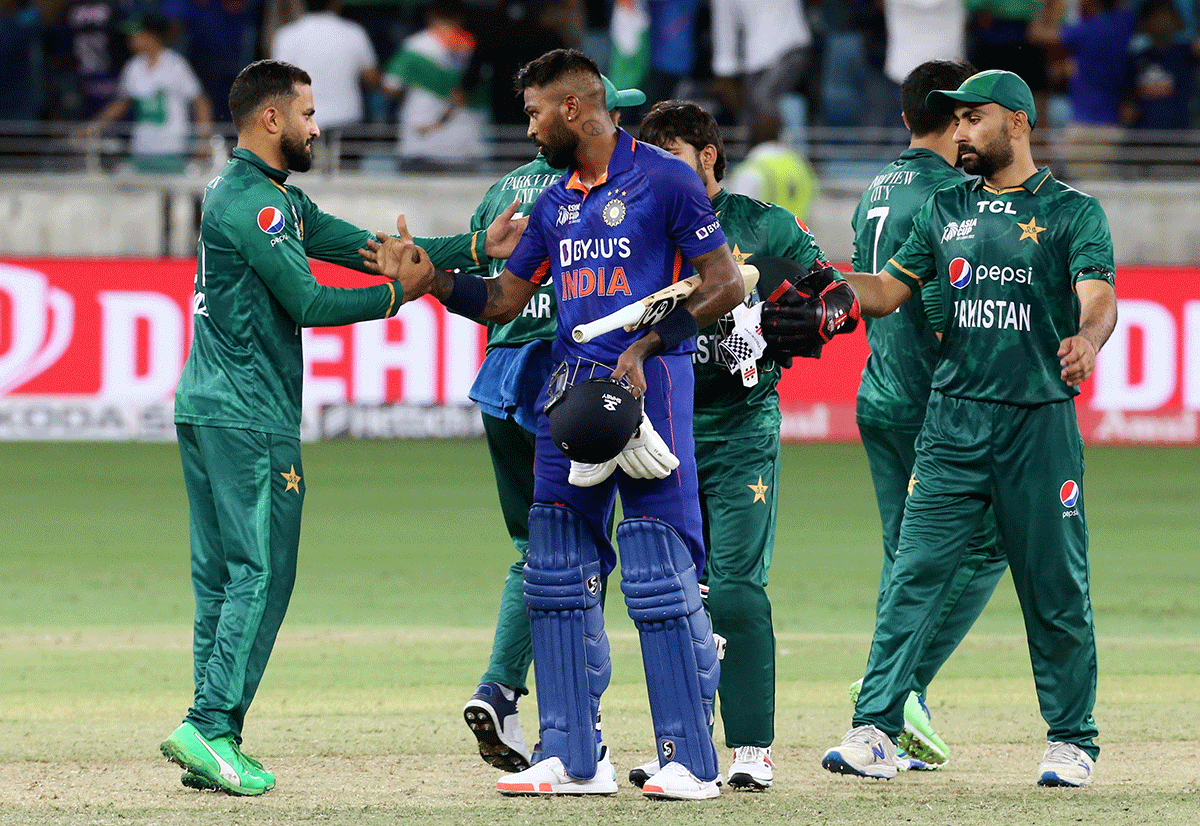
{"x": 615, "y": 98}
{"x": 992, "y": 86}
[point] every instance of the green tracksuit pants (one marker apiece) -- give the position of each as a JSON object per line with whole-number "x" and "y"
{"x": 891, "y": 454}
{"x": 245, "y": 493}
{"x": 1027, "y": 463}
{"x": 739, "y": 480}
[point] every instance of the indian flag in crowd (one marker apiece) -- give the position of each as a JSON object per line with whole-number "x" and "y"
{"x": 630, "y": 30}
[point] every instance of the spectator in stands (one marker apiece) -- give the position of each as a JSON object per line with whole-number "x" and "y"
{"x": 1098, "y": 43}
{"x": 158, "y": 85}
{"x": 998, "y": 38}
{"x": 21, "y": 26}
{"x": 854, "y": 90}
{"x": 218, "y": 39}
{"x": 773, "y": 172}
{"x": 672, "y": 48}
{"x": 507, "y": 36}
{"x": 339, "y": 57}
{"x": 1162, "y": 71}
{"x": 922, "y": 30}
{"x": 93, "y": 52}
{"x": 766, "y": 44}
{"x": 439, "y": 129}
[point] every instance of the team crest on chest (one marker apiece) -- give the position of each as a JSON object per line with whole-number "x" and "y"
{"x": 614, "y": 212}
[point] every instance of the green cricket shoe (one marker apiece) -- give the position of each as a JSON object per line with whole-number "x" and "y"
{"x": 195, "y": 781}
{"x": 918, "y": 739}
{"x": 217, "y": 761}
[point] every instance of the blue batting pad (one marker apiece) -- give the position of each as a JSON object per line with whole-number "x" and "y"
{"x": 680, "y": 657}
{"x": 570, "y": 649}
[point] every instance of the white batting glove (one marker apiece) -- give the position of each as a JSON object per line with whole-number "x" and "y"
{"x": 586, "y": 474}
{"x": 647, "y": 456}
{"x": 741, "y": 349}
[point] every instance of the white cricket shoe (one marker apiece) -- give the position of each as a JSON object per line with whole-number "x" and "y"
{"x": 549, "y": 777}
{"x": 751, "y": 768}
{"x": 491, "y": 714}
{"x": 674, "y": 782}
{"x": 640, "y": 774}
{"x": 1065, "y": 764}
{"x": 865, "y": 751}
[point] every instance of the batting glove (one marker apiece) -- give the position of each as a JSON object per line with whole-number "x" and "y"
{"x": 647, "y": 455}
{"x": 587, "y": 474}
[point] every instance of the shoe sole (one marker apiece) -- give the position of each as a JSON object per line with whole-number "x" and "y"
{"x": 659, "y": 793}
{"x": 1051, "y": 779}
{"x": 195, "y": 781}
{"x": 494, "y": 751}
{"x": 834, "y": 763}
{"x": 918, "y": 746}
{"x": 748, "y": 782}
{"x": 185, "y": 760}
{"x": 548, "y": 790}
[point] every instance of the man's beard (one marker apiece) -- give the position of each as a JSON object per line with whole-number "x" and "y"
{"x": 994, "y": 156}
{"x": 296, "y": 152}
{"x": 559, "y": 151}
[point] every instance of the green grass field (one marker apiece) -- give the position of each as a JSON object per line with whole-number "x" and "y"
{"x": 402, "y": 556}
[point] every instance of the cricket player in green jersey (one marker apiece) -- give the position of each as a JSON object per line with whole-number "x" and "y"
{"x": 736, "y": 429}
{"x": 238, "y": 402}
{"x": 896, "y": 384}
{"x": 1024, "y": 268}
{"x": 513, "y": 372}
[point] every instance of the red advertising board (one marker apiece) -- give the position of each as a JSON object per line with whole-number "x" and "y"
{"x": 92, "y": 349}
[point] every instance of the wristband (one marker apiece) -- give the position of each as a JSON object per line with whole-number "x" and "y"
{"x": 469, "y": 296}
{"x": 677, "y": 327}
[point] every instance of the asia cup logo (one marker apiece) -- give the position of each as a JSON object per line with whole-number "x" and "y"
{"x": 270, "y": 220}
{"x": 960, "y": 273}
{"x": 1068, "y": 494}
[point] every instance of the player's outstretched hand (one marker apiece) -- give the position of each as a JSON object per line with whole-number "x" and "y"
{"x": 504, "y": 232}
{"x": 647, "y": 455}
{"x": 587, "y": 474}
{"x": 1077, "y": 356}
{"x": 398, "y": 258}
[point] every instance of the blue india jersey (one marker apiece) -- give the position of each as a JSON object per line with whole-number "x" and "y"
{"x": 630, "y": 234}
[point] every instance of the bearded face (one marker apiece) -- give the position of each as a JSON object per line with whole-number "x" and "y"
{"x": 557, "y": 143}
{"x": 297, "y": 149}
{"x": 989, "y": 154}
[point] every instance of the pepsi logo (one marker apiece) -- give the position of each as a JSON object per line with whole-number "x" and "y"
{"x": 1068, "y": 494}
{"x": 270, "y": 220}
{"x": 960, "y": 273}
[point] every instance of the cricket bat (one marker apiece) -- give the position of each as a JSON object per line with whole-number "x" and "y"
{"x": 648, "y": 311}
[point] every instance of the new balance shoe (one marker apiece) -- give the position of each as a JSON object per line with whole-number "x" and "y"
{"x": 548, "y": 777}
{"x": 1065, "y": 764}
{"x": 918, "y": 738}
{"x": 674, "y": 782}
{"x": 865, "y": 751}
{"x": 751, "y": 768}
{"x": 491, "y": 714}
{"x": 217, "y": 761}
{"x": 905, "y": 763}
{"x": 640, "y": 774}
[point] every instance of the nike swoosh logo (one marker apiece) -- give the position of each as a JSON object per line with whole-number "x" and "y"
{"x": 227, "y": 770}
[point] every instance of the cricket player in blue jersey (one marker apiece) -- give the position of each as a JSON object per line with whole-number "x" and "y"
{"x": 621, "y": 223}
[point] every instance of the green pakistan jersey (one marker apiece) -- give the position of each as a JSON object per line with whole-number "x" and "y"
{"x": 1006, "y": 263}
{"x": 899, "y": 370}
{"x": 725, "y": 409}
{"x": 254, "y": 290}
{"x": 539, "y": 319}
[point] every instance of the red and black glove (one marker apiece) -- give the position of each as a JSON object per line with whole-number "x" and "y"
{"x": 797, "y": 321}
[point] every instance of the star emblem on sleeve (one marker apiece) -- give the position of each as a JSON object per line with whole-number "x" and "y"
{"x": 293, "y": 479}
{"x": 912, "y": 483}
{"x": 760, "y": 491}
{"x": 1030, "y": 230}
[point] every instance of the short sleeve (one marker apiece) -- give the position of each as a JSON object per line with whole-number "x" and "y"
{"x": 913, "y": 264}
{"x": 691, "y": 222}
{"x": 529, "y": 260}
{"x": 1090, "y": 250}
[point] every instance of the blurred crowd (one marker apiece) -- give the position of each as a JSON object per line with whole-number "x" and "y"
{"x": 440, "y": 71}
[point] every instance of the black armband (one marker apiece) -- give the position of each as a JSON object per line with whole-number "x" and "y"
{"x": 469, "y": 296}
{"x": 677, "y": 327}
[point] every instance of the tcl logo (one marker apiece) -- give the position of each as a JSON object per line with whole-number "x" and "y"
{"x": 997, "y": 206}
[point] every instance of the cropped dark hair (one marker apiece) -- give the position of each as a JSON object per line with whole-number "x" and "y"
{"x": 554, "y": 65}
{"x": 928, "y": 77}
{"x": 262, "y": 81}
{"x": 671, "y": 120}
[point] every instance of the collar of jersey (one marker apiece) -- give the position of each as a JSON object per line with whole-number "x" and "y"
{"x": 249, "y": 157}
{"x": 1033, "y": 183}
{"x": 621, "y": 160}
